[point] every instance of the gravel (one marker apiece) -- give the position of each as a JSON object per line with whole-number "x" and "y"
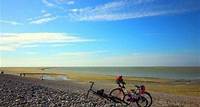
{"x": 21, "y": 92}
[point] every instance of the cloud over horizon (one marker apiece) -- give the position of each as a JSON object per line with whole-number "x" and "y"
{"x": 12, "y": 41}
{"x": 94, "y": 58}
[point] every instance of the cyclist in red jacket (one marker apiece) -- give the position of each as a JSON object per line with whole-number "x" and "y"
{"x": 120, "y": 81}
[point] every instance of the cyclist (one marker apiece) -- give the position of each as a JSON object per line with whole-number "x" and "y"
{"x": 120, "y": 81}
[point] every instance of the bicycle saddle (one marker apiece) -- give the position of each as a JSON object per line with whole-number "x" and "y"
{"x": 100, "y": 92}
{"x": 137, "y": 86}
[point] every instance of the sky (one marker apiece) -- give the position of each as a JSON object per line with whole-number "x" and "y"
{"x": 99, "y": 33}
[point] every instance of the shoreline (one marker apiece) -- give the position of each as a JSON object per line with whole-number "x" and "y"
{"x": 117, "y": 70}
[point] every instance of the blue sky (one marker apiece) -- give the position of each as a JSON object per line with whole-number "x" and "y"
{"x": 99, "y": 32}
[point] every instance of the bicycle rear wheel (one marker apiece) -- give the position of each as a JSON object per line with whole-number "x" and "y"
{"x": 118, "y": 93}
{"x": 142, "y": 102}
{"x": 148, "y": 97}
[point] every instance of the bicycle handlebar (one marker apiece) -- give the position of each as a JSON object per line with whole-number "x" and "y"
{"x": 91, "y": 86}
{"x": 92, "y": 83}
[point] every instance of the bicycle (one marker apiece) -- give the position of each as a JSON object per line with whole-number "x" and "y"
{"x": 138, "y": 95}
{"x": 101, "y": 94}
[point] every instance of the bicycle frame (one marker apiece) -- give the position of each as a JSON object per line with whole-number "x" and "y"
{"x": 107, "y": 97}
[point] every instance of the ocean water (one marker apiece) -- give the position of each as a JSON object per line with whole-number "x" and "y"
{"x": 188, "y": 73}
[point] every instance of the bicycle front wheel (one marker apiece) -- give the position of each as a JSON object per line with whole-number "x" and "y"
{"x": 118, "y": 93}
{"x": 127, "y": 99}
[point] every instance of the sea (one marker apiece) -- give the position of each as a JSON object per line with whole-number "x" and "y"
{"x": 186, "y": 73}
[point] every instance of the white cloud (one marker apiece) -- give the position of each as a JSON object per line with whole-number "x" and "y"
{"x": 13, "y": 41}
{"x": 129, "y": 9}
{"x": 7, "y": 48}
{"x": 80, "y": 54}
{"x": 75, "y": 54}
{"x": 10, "y": 22}
{"x": 70, "y": 2}
{"x": 30, "y": 46}
{"x": 47, "y": 3}
{"x": 46, "y": 17}
{"x": 43, "y": 20}
{"x": 58, "y": 45}
{"x": 74, "y": 10}
{"x": 57, "y": 4}
{"x": 31, "y": 53}
{"x": 43, "y": 11}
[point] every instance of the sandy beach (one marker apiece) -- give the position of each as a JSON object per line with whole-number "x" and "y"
{"x": 27, "y": 91}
